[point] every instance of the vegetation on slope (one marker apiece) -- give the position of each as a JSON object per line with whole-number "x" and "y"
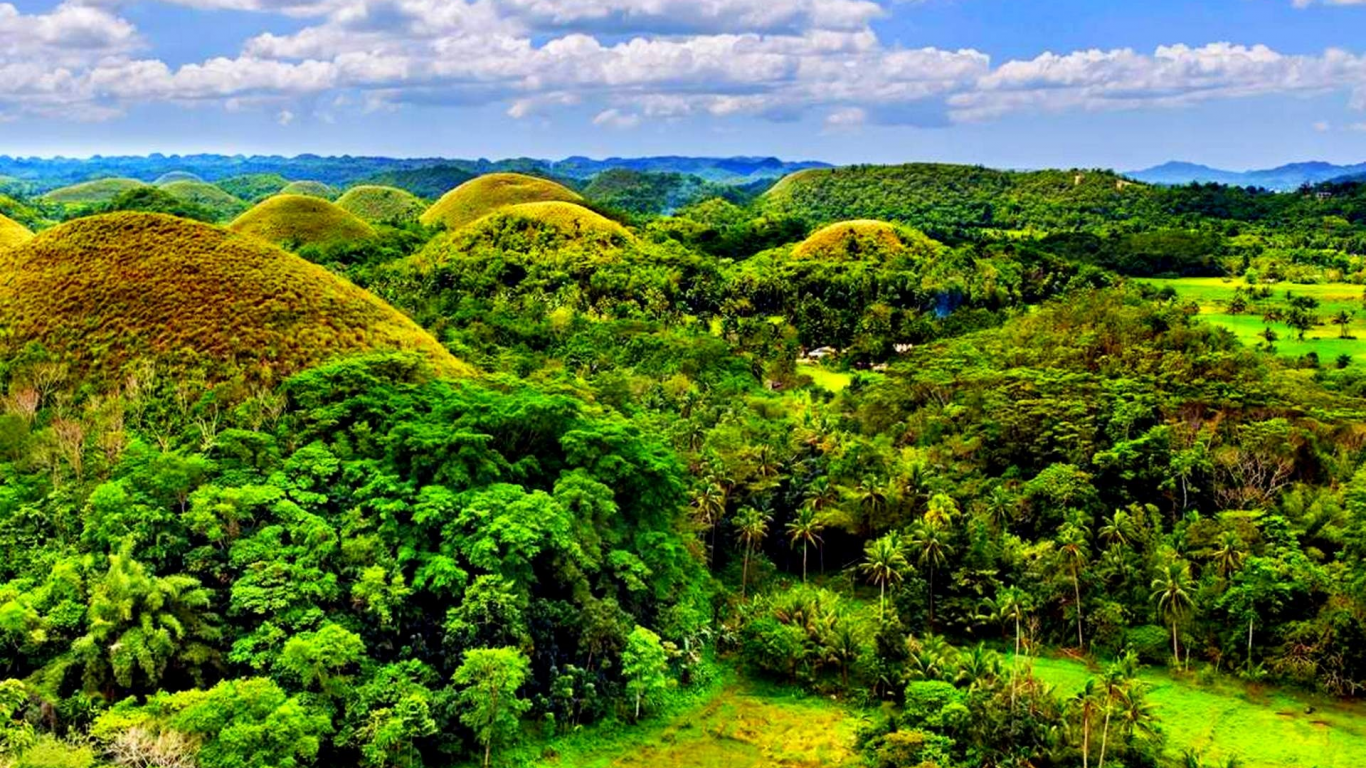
{"x": 101, "y": 294}
{"x": 310, "y": 189}
{"x": 253, "y": 187}
{"x": 428, "y": 183}
{"x": 377, "y": 205}
{"x": 152, "y": 200}
{"x": 479, "y": 197}
{"x": 860, "y": 240}
{"x": 224, "y": 206}
{"x": 12, "y": 233}
{"x": 172, "y": 177}
{"x": 295, "y": 220}
{"x": 99, "y": 191}
{"x": 553, "y": 219}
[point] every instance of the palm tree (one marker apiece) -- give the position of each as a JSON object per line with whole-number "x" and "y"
{"x": 752, "y": 525}
{"x": 840, "y": 646}
{"x": 1228, "y": 555}
{"x": 1172, "y": 592}
{"x": 1072, "y": 547}
{"x": 1118, "y": 530}
{"x": 933, "y": 551}
{"x": 1000, "y": 506}
{"x": 1011, "y": 605}
{"x": 1343, "y": 319}
{"x": 941, "y": 511}
{"x": 1084, "y": 705}
{"x": 708, "y": 506}
{"x": 884, "y": 563}
{"x": 806, "y": 527}
{"x": 872, "y": 501}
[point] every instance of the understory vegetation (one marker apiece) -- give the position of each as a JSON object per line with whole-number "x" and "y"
{"x": 898, "y": 467}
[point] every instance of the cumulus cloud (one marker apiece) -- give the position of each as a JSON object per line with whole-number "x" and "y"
{"x": 630, "y": 61}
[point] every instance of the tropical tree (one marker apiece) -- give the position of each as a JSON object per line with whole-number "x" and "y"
{"x": 1342, "y": 320}
{"x": 708, "y": 506}
{"x": 884, "y": 563}
{"x": 752, "y": 527}
{"x": 141, "y": 623}
{"x": 806, "y": 528}
{"x": 1072, "y": 548}
{"x": 1011, "y": 605}
{"x": 872, "y": 501}
{"x": 1227, "y": 555}
{"x": 1172, "y": 591}
{"x": 932, "y": 551}
{"x": 1083, "y": 706}
{"x": 644, "y": 664}
{"x": 489, "y": 679}
{"x": 941, "y": 510}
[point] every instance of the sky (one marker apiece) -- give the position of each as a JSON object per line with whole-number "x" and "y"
{"x": 1009, "y": 83}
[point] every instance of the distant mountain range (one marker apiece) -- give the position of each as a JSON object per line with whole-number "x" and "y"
{"x": 1283, "y": 177}
{"x": 48, "y": 173}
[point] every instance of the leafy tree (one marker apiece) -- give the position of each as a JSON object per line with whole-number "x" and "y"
{"x": 752, "y": 527}
{"x": 806, "y": 528}
{"x": 1073, "y": 552}
{"x": 1172, "y": 592}
{"x": 884, "y": 563}
{"x": 932, "y": 551}
{"x": 644, "y": 664}
{"x": 489, "y": 679}
{"x": 323, "y": 658}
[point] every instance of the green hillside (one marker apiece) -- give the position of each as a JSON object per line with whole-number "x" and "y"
{"x": 104, "y": 292}
{"x": 479, "y": 197}
{"x": 175, "y": 176}
{"x": 429, "y": 183}
{"x": 100, "y": 191}
{"x": 12, "y": 233}
{"x": 253, "y": 187}
{"x": 201, "y": 193}
{"x": 375, "y": 204}
{"x": 553, "y": 219}
{"x": 310, "y": 189}
{"x": 858, "y": 240}
{"x": 300, "y": 220}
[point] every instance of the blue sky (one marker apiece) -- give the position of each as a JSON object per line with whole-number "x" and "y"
{"x": 1012, "y": 83}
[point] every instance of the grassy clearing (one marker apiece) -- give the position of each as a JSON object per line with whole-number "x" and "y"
{"x": 733, "y": 724}
{"x": 1214, "y": 293}
{"x": 825, "y": 378}
{"x": 1262, "y": 728}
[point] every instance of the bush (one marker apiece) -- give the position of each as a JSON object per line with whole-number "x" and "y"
{"x": 49, "y": 752}
{"x": 1151, "y": 642}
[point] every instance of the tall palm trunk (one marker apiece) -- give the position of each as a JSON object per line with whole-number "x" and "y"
{"x": 1086, "y": 739}
{"x": 744, "y": 574}
{"x": 803, "y": 561}
{"x": 1076, "y": 588}
{"x": 1176, "y": 654}
{"x": 1105, "y": 733}
{"x": 1015, "y": 663}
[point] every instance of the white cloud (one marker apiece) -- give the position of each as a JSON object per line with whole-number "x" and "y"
{"x": 846, "y": 117}
{"x": 615, "y": 118}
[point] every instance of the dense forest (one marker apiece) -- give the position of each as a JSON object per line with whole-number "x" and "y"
{"x": 882, "y": 434}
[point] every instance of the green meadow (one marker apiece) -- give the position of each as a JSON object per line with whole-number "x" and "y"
{"x": 1259, "y": 727}
{"x": 1213, "y": 294}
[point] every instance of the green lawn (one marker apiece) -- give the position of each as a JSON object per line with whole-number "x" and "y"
{"x": 826, "y": 378}
{"x": 1214, "y": 293}
{"x": 734, "y": 724}
{"x": 1265, "y": 728}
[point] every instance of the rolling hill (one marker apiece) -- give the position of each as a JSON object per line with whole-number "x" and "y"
{"x": 376, "y": 204}
{"x": 309, "y": 188}
{"x": 479, "y": 197}
{"x": 92, "y": 192}
{"x": 861, "y": 240}
{"x": 104, "y": 292}
{"x": 206, "y": 195}
{"x": 253, "y": 187}
{"x": 1282, "y": 178}
{"x": 553, "y": 218}
{"x": 12, "y": 233}
{"x": 300, "y": 220}
{"x": 175, "y": 176}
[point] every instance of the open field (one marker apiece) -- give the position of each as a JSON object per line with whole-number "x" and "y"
{"x": 1265, "y": 728}
{"x": 1214, "y": 293}
{"x": 735, "y": 724}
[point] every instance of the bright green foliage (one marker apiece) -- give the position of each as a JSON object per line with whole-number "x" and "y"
{"x": 142, "y": 624}
{"x": 378, "y": 205}
{"x": 12, "y": 233}
{"x": 253, "y": 187}
{"x": 322, "y": 659}
{"x": 205, "y": 298}
{"x": 295, "y": 220}
{"x": 863, "y": 241}
{"x": 157, "y": 200}
{"x": 100, "y": 191}
{"x": 645, "y": 667}
{"x": 550, "y": 220}
{"x": 479, "y": 197}
{"x": 488, "y": 680}
{"x": 309, "y": 189}
{"x": 223, "y": 205}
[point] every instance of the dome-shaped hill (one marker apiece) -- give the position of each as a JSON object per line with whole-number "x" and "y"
{"x": 12, "y": 233}
{"x": 207, "y": 195}
{"x": 301, "y": 220}
{"x": 554, "y": 218}
{"x": 173, "y": 177}
{"x": 105, "y": 292}
{"x": 379, "y": 204}
{"x": 863, "y": 239}
{"x": 93, "y": 192}
{"x": 479, "y": 197}
{"x": 310, "y": 189}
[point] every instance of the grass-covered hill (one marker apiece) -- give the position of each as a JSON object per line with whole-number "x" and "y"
{"x": 175, "y": 176}
{"x": 859, "y": 240}
{"x": 105, "y": 292}
{"x": 376, "y": 204}
{"x": 938, "y": 196}
{"x": 300, "y": 220}
{"x": 479, "y": 197}
{"x": 430, "y": 183}
{"x": 253, "y": 187}
{"x": 309, "y": 188}
{"x": 204, "y": 194}
{"x": 551, "y": 219}
{"x": 92, "y": 192}
{"x": 12, "y": 233}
